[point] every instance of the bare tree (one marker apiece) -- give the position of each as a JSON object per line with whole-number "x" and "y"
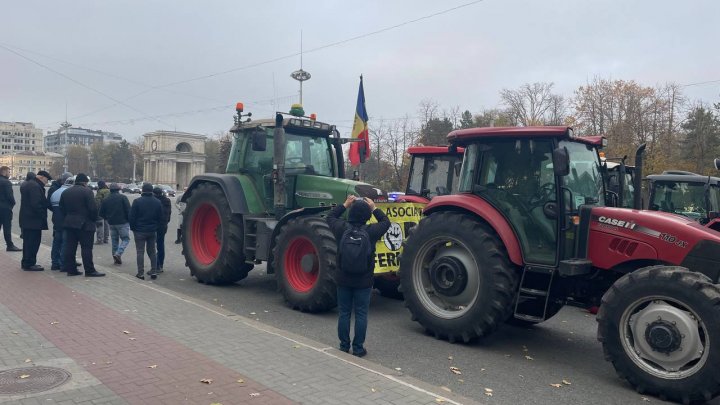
{"x": 531, "y": 104}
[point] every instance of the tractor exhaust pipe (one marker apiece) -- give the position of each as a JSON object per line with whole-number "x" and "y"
{"x": 637, "y": 180}
{"x": 278, "y": 173}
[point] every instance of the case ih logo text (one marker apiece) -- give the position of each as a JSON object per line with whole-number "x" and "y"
{"x": 617, "y": 222}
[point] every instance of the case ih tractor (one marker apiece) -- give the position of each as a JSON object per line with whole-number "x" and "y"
{"x": 433, "y": 171}
{"x": 282, "y": 174}
{"x": 527, "y": 233}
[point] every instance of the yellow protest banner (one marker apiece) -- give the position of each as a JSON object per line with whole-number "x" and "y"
{"x": 403, "y": 216}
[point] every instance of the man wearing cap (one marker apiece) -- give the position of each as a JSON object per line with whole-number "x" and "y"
{"x": 7, "y": 202}
{"x": 115, "y": 209}
{"x": 55, "y": 185}
{"x": 78, "y": 206}
{"x": 163, "y": 227}
{"x": 58, "y": 244}
{"x": 33, "y": 218}
{"x": 145, "y": 218}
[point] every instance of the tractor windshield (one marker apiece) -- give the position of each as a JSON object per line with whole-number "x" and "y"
{"x": 585, "y": 181}
{"x": 308, "y": 154}
{"x": 432, "y": 175}
{"x": 684, "y": 198}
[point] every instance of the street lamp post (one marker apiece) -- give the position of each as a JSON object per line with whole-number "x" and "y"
{"x": 65, "y": 125}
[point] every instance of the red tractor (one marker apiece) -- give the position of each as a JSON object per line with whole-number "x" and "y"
{"x": 434, "y": 171}
{"x": 528, "y": 232}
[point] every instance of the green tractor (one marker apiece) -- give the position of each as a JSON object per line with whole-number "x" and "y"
{"x": 282, "y": 175}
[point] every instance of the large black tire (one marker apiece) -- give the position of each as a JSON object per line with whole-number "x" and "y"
{"x": 456, "y": 277}
{"x": 213, "y": 238}
{"x": 305, "y": 261}
{"x": 646, "y": 320}
{"x": 388, "y": 286}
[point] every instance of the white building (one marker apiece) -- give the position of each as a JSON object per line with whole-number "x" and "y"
{"x": 18, "y": 137}
{"x": 171, "y": 157}
{"x": 57, "y": 142}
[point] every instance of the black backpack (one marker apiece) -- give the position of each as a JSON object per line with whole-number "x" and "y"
{"x": 355, "y": 250}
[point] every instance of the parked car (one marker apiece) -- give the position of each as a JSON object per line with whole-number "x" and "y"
{"x": 132, "y": 189}
{"x": 169, "y": 191}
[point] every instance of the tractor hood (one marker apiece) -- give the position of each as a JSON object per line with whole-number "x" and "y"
{"x": 312, "y": 191}
{"x": 618, "y": 235}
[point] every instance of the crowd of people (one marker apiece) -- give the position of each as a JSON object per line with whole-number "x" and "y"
{"x": 80, "y": 216}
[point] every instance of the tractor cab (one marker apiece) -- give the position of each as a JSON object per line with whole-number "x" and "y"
{"x": 689, "y": 194}
{"x": 434, "y": 171}
{"x": 620, "y": 182}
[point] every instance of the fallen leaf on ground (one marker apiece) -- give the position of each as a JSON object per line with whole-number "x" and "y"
{"x": 439, "y": 400}
{"x": 373, "y": 390}
{"x": 108, "y": 362}
{"x": 266, "y": 311}
{"x": 206, "y": 380}
{"x": 127, "y": 332}
{"x": 566, "y": 382}
{"x": 24, "y": 376}
{"x": 488, "y": 394}
{"x": 181, "y": 279}
{"x": 488, "y": 390}
{"x": 482, "y": 369}
{"x": 241, "y": 381}
{"x": 398, "y": 369}
{"x": 153, "y": 366}
{"x": 556, "y": 385}
{"x": 460, "y": 380}
{"x": 253, "y": 313}
{"x": 132, "y": 338}
{"x": 296, "y": 346}
{"x": 254, "y": 394}
{"x": 54, "y": 323}
{"x": 646, "y": 399}
{"x": 529, "y": 358}
{"x": 445, "y": 388}
{"x": 28, "y": 361}
{"x": 455, "y": 370}
{"x": 15, "y": 332}
{"x": 450, "y": 357}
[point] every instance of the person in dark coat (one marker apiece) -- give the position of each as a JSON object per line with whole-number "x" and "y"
{"x": 115, "y": 209}
{"x": 77, "y": 204}
{"x": 146, "y": 217}
{"x": 163, "y": 227}
{"x": 33, "y": 218}
{"x": 56, "y": 184}
{"x": 7, "y": 202}
{"x": 58, "y": 243}
{"x": 353, "y": 290}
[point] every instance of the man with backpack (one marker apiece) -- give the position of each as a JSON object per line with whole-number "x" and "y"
{"x": 356, "y": 254}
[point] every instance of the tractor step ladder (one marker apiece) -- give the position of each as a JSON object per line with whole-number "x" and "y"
{"x": 250, "y": 240}
{"x": 533, "y": 295}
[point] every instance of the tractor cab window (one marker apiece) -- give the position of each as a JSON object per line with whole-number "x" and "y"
{"x": 440, "y": 176}
{"x": 416, "y": 175}
{"x": 308, "y": 155}
{"x": 517, "y": 178}
{"x": 585, "y": 182}
{"x": 684, "y": 198}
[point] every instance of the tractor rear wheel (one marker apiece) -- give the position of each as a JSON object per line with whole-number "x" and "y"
{"x": 660, "y": 327}
{"x": 213, "y": 237}
{"x": 456, "y": 277}
{"x": 305, "y": 261}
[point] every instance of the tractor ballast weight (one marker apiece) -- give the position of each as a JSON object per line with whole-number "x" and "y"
{"x": 528, "y": 233}
{"x": 282, "y": 175}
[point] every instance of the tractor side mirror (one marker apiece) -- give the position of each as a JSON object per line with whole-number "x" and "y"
{"x": 561, "y": 162}
{"x": 717, "y": 164}
{"x": 259, "y": 141}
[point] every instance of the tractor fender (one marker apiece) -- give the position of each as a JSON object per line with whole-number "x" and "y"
{"x": 230, "y": 186}
{"x": 301, "y": 212}
{"x": 481, "y": 208}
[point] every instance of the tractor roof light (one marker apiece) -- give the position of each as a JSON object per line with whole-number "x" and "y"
{"x": 313, "y": 116}
{"x": 239, "y": 107}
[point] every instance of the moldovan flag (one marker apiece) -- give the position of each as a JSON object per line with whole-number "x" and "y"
{"x": 359, "y": 151}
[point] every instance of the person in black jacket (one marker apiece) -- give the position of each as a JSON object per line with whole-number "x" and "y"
{"x": 78, "y": 206}
{"x": 7, "y": 202}
{"x": 146, "y": 216}
{"x": 163, "y": 227}
{"x": 115, "y": 208}
{"x": 56, "y": 184}
{"x": 33, "y": 218}
{"x": 353, "y": 290}
{"x": 58, "y": 243}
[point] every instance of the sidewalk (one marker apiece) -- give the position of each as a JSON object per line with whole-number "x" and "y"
{"x": 125, "y": 341}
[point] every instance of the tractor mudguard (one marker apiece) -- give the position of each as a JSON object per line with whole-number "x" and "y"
{"x": 230, "y": 186}
{"x": 487, "y": 212}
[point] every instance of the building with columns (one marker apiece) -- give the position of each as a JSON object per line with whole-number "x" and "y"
{"x": 171, "y": 157}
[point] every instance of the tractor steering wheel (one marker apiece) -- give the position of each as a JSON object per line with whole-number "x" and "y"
{"x": 544, "y": 194}
{"x": 295, "y": 161}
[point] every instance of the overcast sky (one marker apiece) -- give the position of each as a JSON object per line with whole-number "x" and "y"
{"x": 459, "y": 58}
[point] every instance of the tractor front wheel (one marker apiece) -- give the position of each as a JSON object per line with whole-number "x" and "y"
{"x": 305, "y": 261}
{"x": 660, "y": 328}
{"x": 456, "y": 277}
{"x": 213, "y": 237}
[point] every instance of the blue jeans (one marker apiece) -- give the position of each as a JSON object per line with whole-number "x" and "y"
{"x": 352, "y": 300}
{"x": 120, "y": 236}
{"x": 58, "y": 247}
